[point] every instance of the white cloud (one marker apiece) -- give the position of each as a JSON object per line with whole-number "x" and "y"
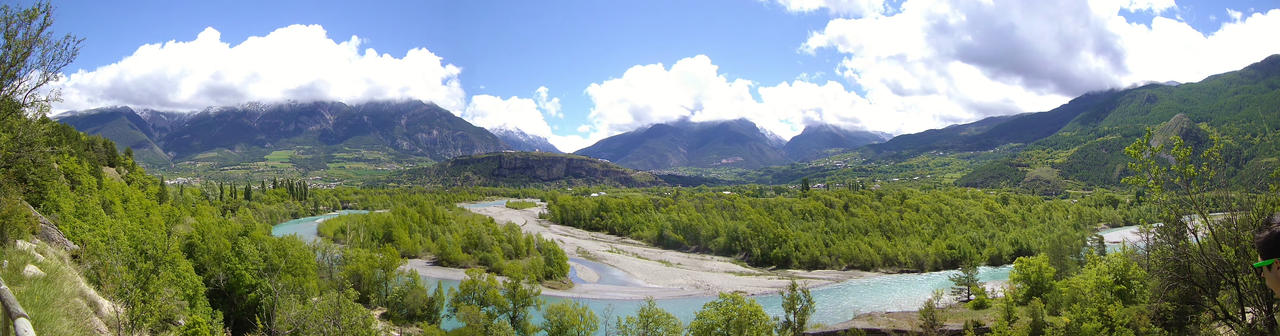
{"x": 846, "y": 8}
{"x": 1235, "y": 15}
{"x": 938, "y": 62}
{"x": 522, "y": 114}
{"x": 551, "y": 106}
{"x": 648, "y": 94}
{"x": 694, "y": 89}
{"x": 291, "y": 63}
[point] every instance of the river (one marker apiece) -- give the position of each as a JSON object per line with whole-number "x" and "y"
{"x": 834, "y": 303}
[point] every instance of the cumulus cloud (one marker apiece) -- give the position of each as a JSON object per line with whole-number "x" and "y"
{"x": 523, "y": 114}
{"x": 292, "y": 63}
{"x": 549, "y": 105}
{"x": 694, "y": 89}
{"x": 937, "y": 62}
{"x": 648, "y": 94}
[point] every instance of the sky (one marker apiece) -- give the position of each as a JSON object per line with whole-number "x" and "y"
{"x": 579, "y": 71}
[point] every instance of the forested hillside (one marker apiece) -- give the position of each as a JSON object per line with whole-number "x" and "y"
{"x": 524, "y": 169}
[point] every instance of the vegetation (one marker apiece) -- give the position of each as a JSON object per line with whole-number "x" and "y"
{"x": 430, "y": 226}
{"x": 797, "y": 306}
{"x": 569, "y": 318}
{"x": 521, "y": 205}
{"x": 524, "y": 169}
{"x": 966, "y": 283}
{"x": 649, "y": 321}
{"x": 731, "y": 314}
{"x": 843, "y": 229}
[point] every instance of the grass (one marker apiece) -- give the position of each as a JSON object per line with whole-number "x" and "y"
{"x": 280, "y": 156}
{"x": 55, "y": 302}
{"x": 521, "y": 205}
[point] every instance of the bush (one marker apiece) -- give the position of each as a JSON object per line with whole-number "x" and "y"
{"x": 16, "y": 221}
{"x": 980, "y": 299}
{"x": 521, "y": 205}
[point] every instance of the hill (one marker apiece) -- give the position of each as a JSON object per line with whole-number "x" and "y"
{"x": 732, "y": 143}
{"x": 1242, "y": 107}
{"x": 523, "y": 169}
{"x": 823, "y": 140}
{"x": 290, "y": 137}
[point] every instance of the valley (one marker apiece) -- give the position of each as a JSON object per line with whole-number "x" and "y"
{"x": 970, "y": 169}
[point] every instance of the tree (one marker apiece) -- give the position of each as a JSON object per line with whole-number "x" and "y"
{"x": 1037, "y": 325}
{"x": 650, "y": 321}
{"x": 1200, "y": 257}
{"x": 930, "y": 322}
{"x": 797, "y": 306}
{"x": 731, "y": 314}
{"x": 570, "y": 318}
{"x": 521, "y": 296}
{"x": 477, "y": 302}
{"x": 410, "y": 302}
{"x": 1032, "y": 277}
{"x": 1006, "y": 314}
{"x": 333, "y": 313}
{"x": 32, "y": 56}
{"x": 804, "y": 185}
{"x": 162, "y": 195}
{"x": 965, "y": 283}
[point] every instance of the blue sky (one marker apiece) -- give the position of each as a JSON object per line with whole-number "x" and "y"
{"x": 612, "y": 66}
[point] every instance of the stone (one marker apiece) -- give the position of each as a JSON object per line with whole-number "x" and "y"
{"x": 31, "y": 271}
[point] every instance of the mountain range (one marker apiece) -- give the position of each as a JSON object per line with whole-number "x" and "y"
{"x": 1082, "y": 141}
{"x": 308, "y": 136}
{"x": 731, "y": 143}
{"x": 321, "y": 135}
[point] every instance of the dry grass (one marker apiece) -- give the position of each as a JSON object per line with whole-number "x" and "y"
{"x": 56, "y": 302}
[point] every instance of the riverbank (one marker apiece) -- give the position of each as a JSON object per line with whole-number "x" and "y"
{"x": 662, "y": 273}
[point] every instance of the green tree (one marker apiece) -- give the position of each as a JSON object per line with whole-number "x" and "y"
{"x": 1006, "y": 314}
{"x": 930, "y": 323}
{"x": 477, "y": 302}
{"x": 1032, "y": 277}
{"x": 32, "y": 55}
{"x": 162, "y": 195}
{"x": 521, "y": 296}
{"x": 649, "y": 321}
{"x": 411, "y": 303}
{"x": 797, "y": 306}
{"x": 570, "y": 318}
{"x": 731, "y": 314}
{"x": 965, "y": 282}
{"x": 1200, "y": 256}
{"x": 333, "y": 313}
{"x": 1037, "y": 325}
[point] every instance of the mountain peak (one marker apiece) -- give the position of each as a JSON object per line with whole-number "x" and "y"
{"x": 685, "y": 143}
{"x": 821, "y": 140}
{"x": 519, "y": 140}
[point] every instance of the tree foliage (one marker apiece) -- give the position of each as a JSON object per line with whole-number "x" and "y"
{"x": 649, "y": 321}
{"x": 429, "y": 225}
{"x": 731, "y": 314}
{"x": 797, "y": 306}
{"x": 32, "y": 55}
{"x": 839, "y": 229}
{"x": 570, "y": 318}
